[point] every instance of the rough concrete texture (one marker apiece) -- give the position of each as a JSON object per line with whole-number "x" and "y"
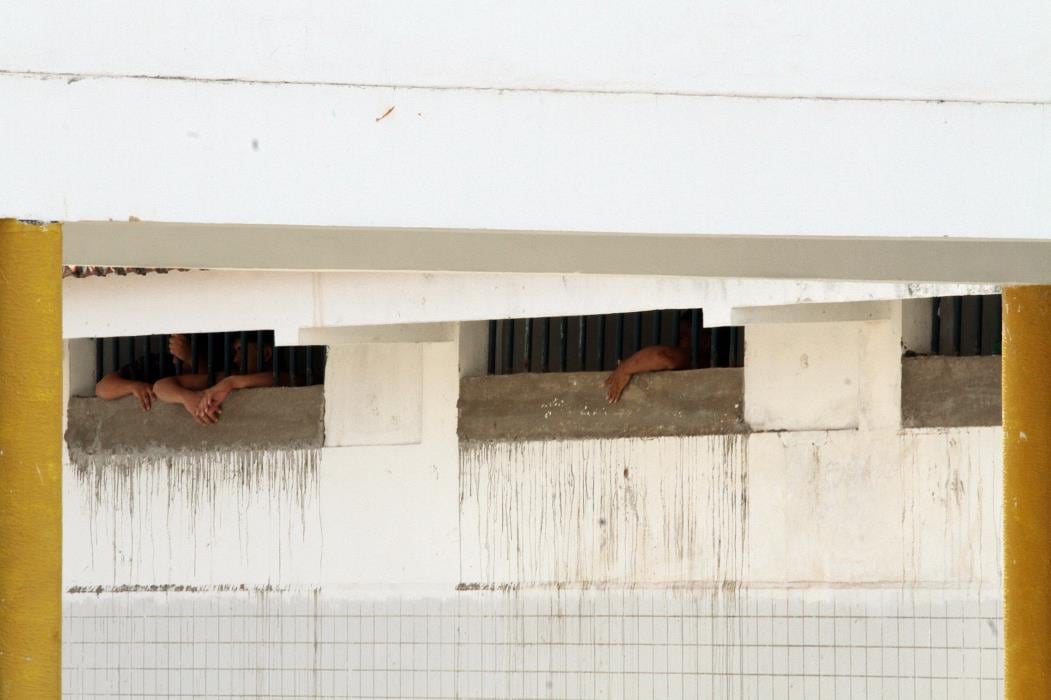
{"x": 256, "y": 419}
{"x": 573, "y": 405}
{"x": 949, "y": 392}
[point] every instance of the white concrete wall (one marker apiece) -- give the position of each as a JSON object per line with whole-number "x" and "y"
{"x": 184, "y": 150}
{"x": 857, "y": 559}
{"x": 407, "y": 505}
{"x": 840, "y": 507}
{"x": 369, "y": 515}
{"x": 893, "y": 50}
{"x": 299, "y": 305}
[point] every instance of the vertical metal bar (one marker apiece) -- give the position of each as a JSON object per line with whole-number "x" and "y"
{"x": 165, "y": 357}
{"x": 998, "y": 321}
{"x": 600, "y": 341}
{"x": 99, "y": 353}
{"x": 275, "y": 361}
{"x": 193, "y": 353}
{"x": 527, "y": 345}
{"x": 492, "y": 347}
{"x": 957, "y": 325}
{"x": 618, "y": 339}
{"x": 563, "y": 331}
{"x": 211, "y": 358}
{"x": 545, "y": 342}
{"x": 979, "y": 312}
{"x": 260, "y": 359}
{"x": 657, "y": 328}
{"x": 936, "y": 326}
{"x": 308, "y": 366}
{"x": 734, "y": 338}
{"x": 695, "y": 338}
{"x": 582, "y": 344}
{"x": 713, "y": 347}
{"x": 115, "y": 359}
{"x": 637, "y": 344}
{"x": 227, "y": 350}
{"x": 291, "y": 366}
{"x": 509, "y": 345}
{"x": 243, "y": 369}
{"x": 146, "y": 369}
{"x": 740, "y": 346}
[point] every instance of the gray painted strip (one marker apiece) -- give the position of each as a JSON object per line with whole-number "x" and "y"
{"x": 573, "y": 405}
{"x": 146, "y": 244}
{"x": 950, "y": 392}
{"x": 252, "y": 420}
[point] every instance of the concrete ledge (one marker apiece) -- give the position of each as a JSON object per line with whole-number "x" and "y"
{"x": 256, "y": 419}
{"x": 950, "y": 392}
{"x": 573, "y": 405}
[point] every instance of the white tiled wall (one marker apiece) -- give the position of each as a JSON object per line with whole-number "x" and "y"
{"x": 620, "y": 643}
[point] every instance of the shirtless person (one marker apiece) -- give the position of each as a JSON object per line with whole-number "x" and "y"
{"x": 656, "y": 358}
{"x": 203, "y": 402}
{"x": 131, "y": 378}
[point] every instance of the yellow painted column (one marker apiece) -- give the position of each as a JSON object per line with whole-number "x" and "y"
{"x": 30, "y": 460}
{"x": 1027, "y": 492}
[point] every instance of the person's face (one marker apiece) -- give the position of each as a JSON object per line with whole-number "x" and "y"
{"x": 251, "y": 356}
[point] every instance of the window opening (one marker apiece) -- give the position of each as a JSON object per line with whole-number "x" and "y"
{"x": 966, "y": 325}
{"x": 148, "y": 357}
{"x": 598, "y": 342}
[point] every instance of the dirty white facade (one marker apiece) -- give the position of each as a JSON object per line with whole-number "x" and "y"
{"x": 828, "y": 550}
{"x": 382, "y": 178}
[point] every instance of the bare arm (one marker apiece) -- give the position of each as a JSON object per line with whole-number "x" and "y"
{"x": 654, "y": 358}
{"x": 211, "y": 400}
{"x": 184, "y": 390}
{"x": 114, "y": 386}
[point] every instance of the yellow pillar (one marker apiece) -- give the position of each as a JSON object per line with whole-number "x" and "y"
{"x": 1027, "y": 492}
{"x": 30, "y": 460}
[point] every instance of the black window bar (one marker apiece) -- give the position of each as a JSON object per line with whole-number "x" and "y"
{"x": 966, "y": 325}
{"x": 147, "y": 358}
{"x": 581, "y": 343}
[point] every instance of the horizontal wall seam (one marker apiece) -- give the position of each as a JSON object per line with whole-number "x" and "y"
{"x": 73, "y": 77}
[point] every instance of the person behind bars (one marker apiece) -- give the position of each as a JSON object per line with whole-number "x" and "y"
{"x": 204, "y": 402}
{"x": 131, "y": 379}
{"x": 657, "y": 358}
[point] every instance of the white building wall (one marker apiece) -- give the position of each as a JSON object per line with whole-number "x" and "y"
{"x": 779, "y": 564}
{"x": 316, "y": 154}
{"x": 894, "y": 50}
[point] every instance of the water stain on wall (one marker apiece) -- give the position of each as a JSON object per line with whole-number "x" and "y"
{"x": 593, "y": 513}
{"x": 134, "y": 500}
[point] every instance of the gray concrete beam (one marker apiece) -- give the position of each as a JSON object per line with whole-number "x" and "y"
{"x": 950, "y": 392}
{"x": 147, "y": 244}
{"x": 573, "y": 405}
{"x": 257, "y": 419}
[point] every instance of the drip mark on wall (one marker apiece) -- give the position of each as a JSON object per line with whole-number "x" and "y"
{"x": 595, "y": 512}
{"x": 131, "y": 498}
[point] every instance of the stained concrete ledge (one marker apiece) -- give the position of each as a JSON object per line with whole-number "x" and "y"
{"x": 950, "y": 392}
{"x": 573, "y": 405}
{"x": 256, "y": 419}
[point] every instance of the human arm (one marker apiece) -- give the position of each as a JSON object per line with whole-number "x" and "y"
{"x": 114, "y": 386}
{"x": 185, "y": 390}
{"x": 209, "y": 404}
{"x": 654, "y": 358}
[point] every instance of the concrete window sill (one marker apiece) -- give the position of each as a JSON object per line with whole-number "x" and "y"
{"x": 254, "y": 419}
{"x": 571, "y": 405}
{"x": 950, "y": 392}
